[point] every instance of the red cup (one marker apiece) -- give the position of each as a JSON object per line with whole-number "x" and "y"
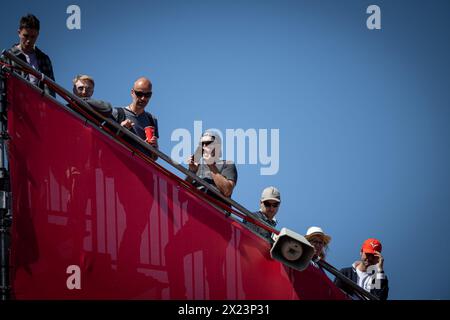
{"x": 149, "y": 133}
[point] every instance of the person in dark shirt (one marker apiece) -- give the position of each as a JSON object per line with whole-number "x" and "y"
{"x": 83, "y": 86}
{"x": 27, "y": 51}
{"x": 368, "y": 273}
{"x": 135, "y": 118}
{"x": 269, "y": 204}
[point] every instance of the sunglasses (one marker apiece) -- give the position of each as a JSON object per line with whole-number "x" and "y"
{"x": 273, "y": 205}
{"x": 315, "y": 241}
{"x": 207, "y": 143}
{"x": 141, "y": 94}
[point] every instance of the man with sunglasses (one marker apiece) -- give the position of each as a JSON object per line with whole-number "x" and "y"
{"x": 368, "y": 273}
{"x": 269, "y": 204}
{"x": 206, "y": 164}
{"x": 134, "y": 117}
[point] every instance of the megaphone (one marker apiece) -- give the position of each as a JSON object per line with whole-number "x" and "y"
{"x": 292, "y": 249}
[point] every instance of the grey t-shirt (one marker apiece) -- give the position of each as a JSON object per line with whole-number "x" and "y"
{"x": 226, "y": 168}
{"x": 140, "y": 122}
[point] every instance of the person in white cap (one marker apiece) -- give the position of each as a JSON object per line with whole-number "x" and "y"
{"x": 207, "y": 165}
{"x": 269, "y": 204}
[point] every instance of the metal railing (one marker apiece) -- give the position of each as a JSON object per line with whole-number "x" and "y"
{"x": 360, "y": 292}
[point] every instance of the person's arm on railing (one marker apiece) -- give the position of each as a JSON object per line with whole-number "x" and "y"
{"x": 225, "y": 185}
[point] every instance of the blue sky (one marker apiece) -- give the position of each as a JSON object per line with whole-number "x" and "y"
{"x": 363, "y": 115}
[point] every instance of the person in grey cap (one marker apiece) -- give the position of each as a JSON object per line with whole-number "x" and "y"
{"x": 206, "y": 164}
{"x": 269, "y": 204}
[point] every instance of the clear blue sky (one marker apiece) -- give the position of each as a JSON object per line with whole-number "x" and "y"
{"x": 364, "y": 116}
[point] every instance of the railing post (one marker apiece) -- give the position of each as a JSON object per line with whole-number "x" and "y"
{"x": 5, "y": 208}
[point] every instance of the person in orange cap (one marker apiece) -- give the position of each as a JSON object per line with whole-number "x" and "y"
{"x": 368, "y": 273}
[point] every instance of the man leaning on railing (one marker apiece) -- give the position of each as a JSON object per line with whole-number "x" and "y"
{"x": 27, "y": 51}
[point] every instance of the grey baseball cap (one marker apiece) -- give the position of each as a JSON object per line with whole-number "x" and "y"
{"x": 271, "y": 193}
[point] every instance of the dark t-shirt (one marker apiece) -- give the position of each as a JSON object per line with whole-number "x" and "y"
{"x": 141, "y": 121}
{"x": 263, "y": 232}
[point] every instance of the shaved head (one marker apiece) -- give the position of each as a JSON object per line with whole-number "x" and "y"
{"x": 141, "y": 94}
{"x": 143, "y": 83}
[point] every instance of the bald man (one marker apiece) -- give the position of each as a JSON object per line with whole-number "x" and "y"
{"x": 134, "y": 117}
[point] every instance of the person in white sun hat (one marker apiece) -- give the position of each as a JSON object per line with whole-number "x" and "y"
{"x": 317, "y": 237}
{"x": 268, "y": 207}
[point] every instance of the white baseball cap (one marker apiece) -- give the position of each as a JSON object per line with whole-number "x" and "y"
{"x": 271, "y": 193}
{"x": 208, "y": 137}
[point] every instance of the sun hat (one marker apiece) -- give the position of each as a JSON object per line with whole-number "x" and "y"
{"x": 317, "y": 231}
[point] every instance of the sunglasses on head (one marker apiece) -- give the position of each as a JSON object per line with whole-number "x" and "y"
{"x": 273, "y": 205}
{"x": 141, "y": 94}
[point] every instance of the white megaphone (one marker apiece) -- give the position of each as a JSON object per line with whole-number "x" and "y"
{"x": 292, "y": 249}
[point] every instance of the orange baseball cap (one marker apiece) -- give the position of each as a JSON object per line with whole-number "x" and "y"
{"x": 371, "y": 245}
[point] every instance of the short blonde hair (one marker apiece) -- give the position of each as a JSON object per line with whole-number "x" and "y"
{"x": 83, "y": 77}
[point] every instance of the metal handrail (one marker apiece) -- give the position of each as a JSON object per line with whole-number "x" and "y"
{"x": 360, "y": 291}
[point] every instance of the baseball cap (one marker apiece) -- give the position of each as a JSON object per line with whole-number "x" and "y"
{"x": 371, "y": 245}
{"x": 317, "y": 231}
{"x": 271, "y": 193}
{"x": 207, "y": 137}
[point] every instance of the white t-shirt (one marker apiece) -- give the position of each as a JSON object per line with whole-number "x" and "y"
{"x": 364, "y": 280}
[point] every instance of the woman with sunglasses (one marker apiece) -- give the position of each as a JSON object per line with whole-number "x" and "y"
{"x": 319, "y": 240}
